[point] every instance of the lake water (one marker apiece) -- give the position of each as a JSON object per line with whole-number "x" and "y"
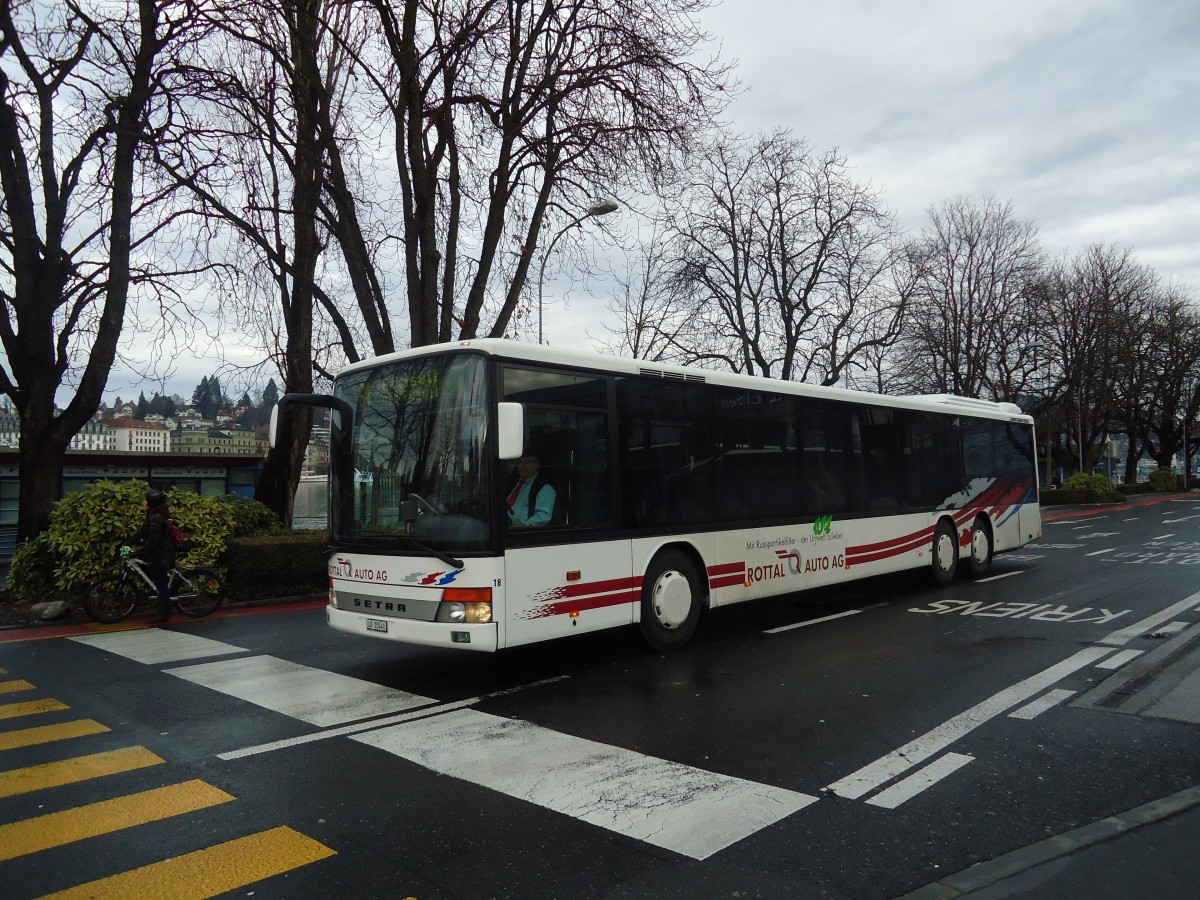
{"x": 311, "y": 506}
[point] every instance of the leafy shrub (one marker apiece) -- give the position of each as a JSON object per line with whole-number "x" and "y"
{"x": 31, "y": 576}
{"x": 250, "y": 517}
{"x": 206, "y": 522}
{"x": 1082, "y": 481}
{"x": 87, "y": 527}
{"x": 1096, "y": 488}
{"x": 1164, "y": 480}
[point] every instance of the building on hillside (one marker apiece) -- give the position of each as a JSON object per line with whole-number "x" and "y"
{"x": 219, "y": 440}
{"x": 10, "y": 430}
{"x": 94, "y": 436}
{"x": 136, "y": 436}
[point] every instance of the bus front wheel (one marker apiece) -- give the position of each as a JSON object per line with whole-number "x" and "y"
{"x": 945, "y": 553}
{"x": 670, "y": 601}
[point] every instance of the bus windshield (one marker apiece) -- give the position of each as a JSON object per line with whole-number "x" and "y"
{"x": 417, "y": 478}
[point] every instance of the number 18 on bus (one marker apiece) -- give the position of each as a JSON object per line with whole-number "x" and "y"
{"x": 487, "y": 493}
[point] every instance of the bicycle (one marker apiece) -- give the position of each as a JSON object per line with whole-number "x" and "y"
{"x": 195, "y": 591}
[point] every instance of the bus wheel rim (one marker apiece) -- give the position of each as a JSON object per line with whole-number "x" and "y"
{"x": 672, "y": 599}
{"x": 945, "y": 551}
{"x": 979, "y": 545}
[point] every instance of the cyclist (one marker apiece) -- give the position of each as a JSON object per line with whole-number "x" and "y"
{"x": 157, "y": 549}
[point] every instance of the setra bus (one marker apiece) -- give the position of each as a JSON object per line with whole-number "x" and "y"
{"x": 671, "y": 491}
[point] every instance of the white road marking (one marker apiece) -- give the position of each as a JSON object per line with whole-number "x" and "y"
{"x": 998, "y": 577}
{"x": 1101, "y": 552}
{"x": 1131, "y": 519}
{"x": 347, "y": 729}
{"x": 1171, "y": 628}
{"x": 1039, "y": 705}
{"x": 1118, "y": 659}
{"x": 380, "y": 723}
{"x": 920, "y": 780}
{"x": 311, "y": 695}
{"x": 841, "y": 615}
{"x": 667, "y": 804}
{"x": 1183, "y": 519}
{"x": 156, "y": 645}
{"x": 1129, "y": 632}
{"x": 1163, "y": 537}
{"x": 938, "y": 739}
{"x": 1097, "y": 534}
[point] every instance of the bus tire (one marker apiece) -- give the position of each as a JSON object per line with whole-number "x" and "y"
{"x": 671, "y": 601}
{"x": 979, "y": 559}
{"x": 945, "y": 553}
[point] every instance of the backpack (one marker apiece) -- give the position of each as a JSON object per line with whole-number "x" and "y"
{"x": 176, "y": 534}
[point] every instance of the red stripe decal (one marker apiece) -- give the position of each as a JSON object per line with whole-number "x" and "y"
{"x": 565, "y": 607}
{"x": 726, "y": 569}
{"x": 727, "y": 581}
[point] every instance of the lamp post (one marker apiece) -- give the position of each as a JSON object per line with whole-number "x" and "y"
{"x": 599, "y": 208}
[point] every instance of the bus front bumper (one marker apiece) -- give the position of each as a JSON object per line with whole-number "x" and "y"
{"x": 409, "y": 631}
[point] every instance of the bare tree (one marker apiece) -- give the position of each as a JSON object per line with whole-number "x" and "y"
{"x": 77, "y": 106}
{"x": 1157, "y": 417}
{"x": 254, "y": 157}
{"x": 649, "y": 316}
{"x": 1101, "y": 302}
{"x": 787, "y": 267}
{"x": 973, "y": 323}
{"x": 503, "y": 112}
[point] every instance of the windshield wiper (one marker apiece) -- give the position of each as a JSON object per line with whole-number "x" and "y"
{"x": 444, "y": 557}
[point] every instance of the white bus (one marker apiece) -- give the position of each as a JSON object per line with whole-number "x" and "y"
{"x": 675, "y": 490}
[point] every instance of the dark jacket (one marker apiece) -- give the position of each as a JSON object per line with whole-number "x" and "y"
{"x": 157, "y": 546}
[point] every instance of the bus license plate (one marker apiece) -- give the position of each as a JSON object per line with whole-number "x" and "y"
{"x": 376, "y": 625}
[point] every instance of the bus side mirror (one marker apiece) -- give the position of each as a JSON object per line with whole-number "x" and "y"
{"x": 510, "y": 425}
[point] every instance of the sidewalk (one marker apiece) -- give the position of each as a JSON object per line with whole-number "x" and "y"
{"x": 1149, "y": 851}
{"x": 17, "y": 617}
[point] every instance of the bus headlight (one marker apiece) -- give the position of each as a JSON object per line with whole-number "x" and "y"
{"x": 465, "y": 606}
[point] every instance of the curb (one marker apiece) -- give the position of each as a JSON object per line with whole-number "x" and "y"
{"x": 986, "y": 874}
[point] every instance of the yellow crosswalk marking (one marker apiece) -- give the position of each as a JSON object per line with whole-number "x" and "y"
{"x": 11, "y": 687}
{"x": 69, "y": 771}
{"x": 30, "y": 707}
{"x": 57, "y": 829}
{"x": 44, "y": 734}
{"x": 208, "y": 872}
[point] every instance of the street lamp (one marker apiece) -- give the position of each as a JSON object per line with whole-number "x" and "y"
{"x": 599, "y": 208}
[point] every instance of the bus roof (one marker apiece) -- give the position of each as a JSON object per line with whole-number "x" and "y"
{"x": 582, "y": 359}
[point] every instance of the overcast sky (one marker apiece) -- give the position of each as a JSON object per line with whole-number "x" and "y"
{"x": 1085, "y": 115}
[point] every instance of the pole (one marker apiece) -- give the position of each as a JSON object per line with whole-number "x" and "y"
{"x": 600, "y": 208}
{"x": 546, "y": 256}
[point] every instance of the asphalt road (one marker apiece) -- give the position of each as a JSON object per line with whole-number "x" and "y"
{"x": 862, "y": 742}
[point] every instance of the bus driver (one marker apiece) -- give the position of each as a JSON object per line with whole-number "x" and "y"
{"x": 531, "y": 500}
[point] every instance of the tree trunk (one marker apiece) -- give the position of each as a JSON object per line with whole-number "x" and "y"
{"x": 41, "y": 455}
{"x": 281, "y": 471}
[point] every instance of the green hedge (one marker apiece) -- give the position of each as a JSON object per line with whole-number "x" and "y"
{"x": 1062, "y": 497}
{"x": 277, "y": 565}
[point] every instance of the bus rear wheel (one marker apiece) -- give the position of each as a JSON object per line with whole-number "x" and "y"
{"x": 945, "y": 553}
{"x": 671, "y": 600}
{"x": 980, "y": 557}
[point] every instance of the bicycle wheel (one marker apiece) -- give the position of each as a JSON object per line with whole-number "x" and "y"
{"x": 112, "y": 597}
{"x": 198, "y": 591}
